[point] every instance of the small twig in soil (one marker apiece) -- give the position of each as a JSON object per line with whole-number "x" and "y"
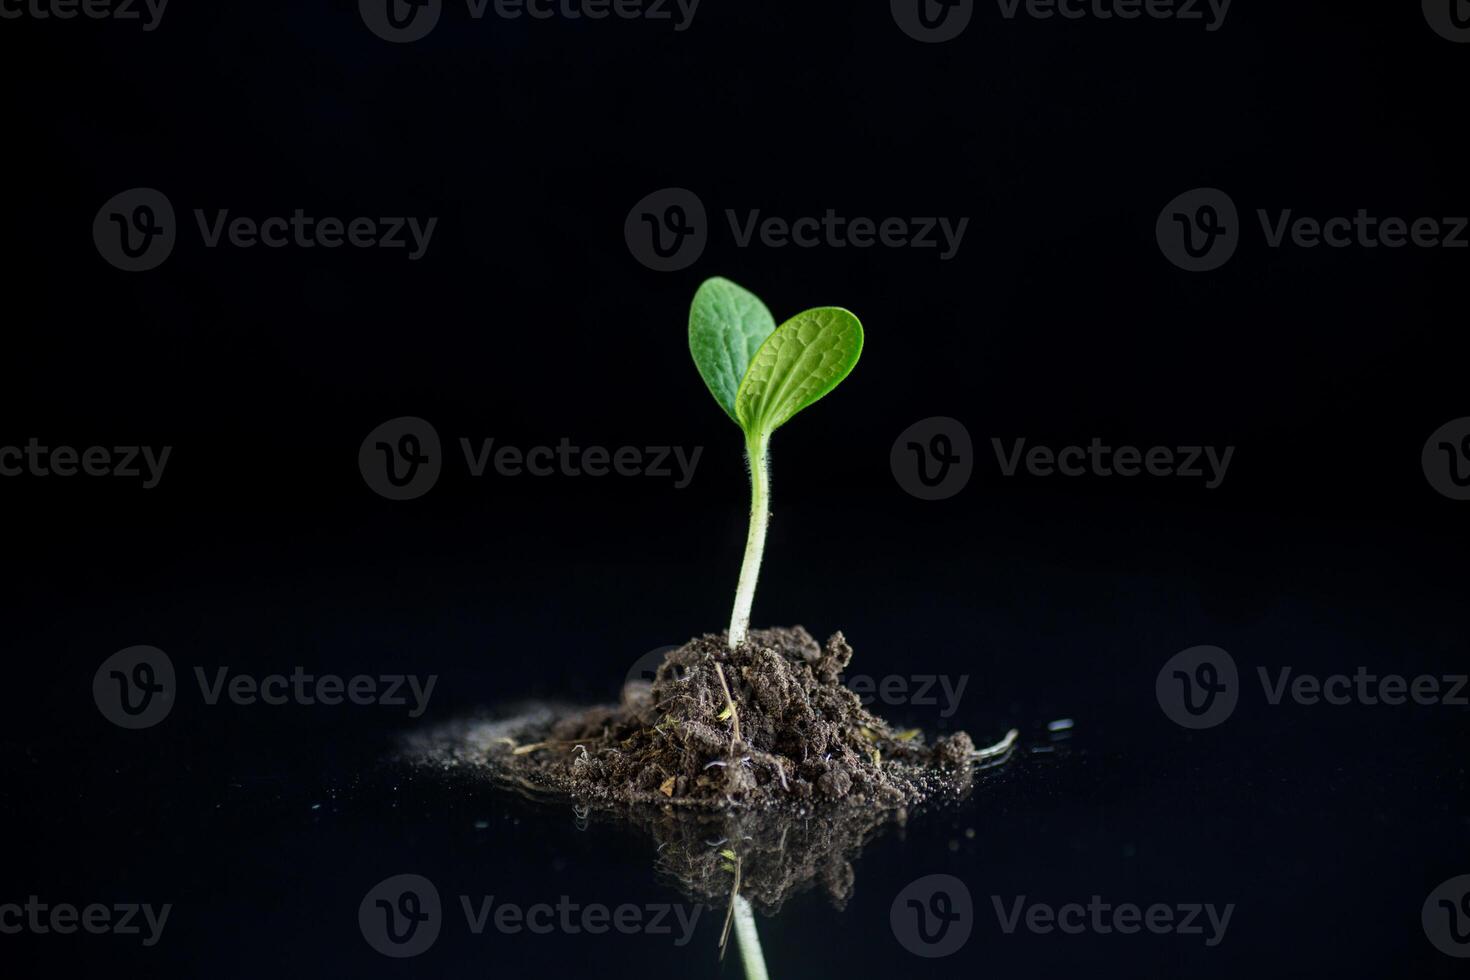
{"x": 730, "y": 705}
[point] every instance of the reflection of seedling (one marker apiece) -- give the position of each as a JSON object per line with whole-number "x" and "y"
{"x": 762, "y": 375}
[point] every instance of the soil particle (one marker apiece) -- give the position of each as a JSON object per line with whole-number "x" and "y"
{"x": 803, "y": 737}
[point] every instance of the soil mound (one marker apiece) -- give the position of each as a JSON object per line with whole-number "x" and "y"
{"x": 765, "y": 724}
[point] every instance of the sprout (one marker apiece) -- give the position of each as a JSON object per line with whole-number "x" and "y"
{"x": 762, "y": 375}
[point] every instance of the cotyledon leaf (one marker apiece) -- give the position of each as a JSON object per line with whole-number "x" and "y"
{"x": 727, "y": 324}
{"x": 806, "y": 357}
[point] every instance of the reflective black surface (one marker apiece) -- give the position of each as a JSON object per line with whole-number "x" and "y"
{"x": 529, "y": 320}
{"x": 1325, "y": 827}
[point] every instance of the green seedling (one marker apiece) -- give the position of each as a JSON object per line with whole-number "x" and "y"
{"x": 762, "y": 375}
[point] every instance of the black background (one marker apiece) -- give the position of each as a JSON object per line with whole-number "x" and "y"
{"x": 529, "y": 321}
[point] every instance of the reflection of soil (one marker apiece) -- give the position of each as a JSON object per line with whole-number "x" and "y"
{"x": 777, "y": 852}
{"x": 772, "y": 854}
{"x": 777, "y": 855}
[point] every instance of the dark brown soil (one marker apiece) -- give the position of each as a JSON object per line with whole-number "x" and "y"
{"x": 804, "y": 739}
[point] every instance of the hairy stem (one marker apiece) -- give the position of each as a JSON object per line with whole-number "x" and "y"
{"x": 755, "y": 540}
{"x": 748, "y": 941}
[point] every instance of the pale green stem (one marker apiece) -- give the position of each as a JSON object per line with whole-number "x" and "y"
{"x": 755, "y": 541}
{"x": 748, "y": 941}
